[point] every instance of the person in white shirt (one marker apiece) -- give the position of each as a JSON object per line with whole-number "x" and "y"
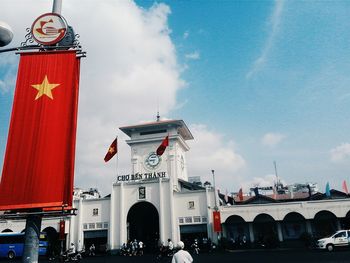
{"x": 182, "y": 256}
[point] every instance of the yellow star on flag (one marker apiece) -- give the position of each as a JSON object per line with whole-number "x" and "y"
{"x": 44, "y": 88}
{"x": 111, "y": 149}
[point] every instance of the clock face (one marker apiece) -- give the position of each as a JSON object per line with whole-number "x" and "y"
{"x": 152, "y": 160}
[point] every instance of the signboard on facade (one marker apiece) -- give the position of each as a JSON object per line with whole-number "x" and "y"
{"x": 141, "y": 176}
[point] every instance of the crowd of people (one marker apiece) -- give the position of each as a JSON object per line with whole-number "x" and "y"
{"x": 132, "y": 248}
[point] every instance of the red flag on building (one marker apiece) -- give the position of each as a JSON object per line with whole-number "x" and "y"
{"x": 112, "y": 150}
{"x": 216, "y": 221}
{"x": 345, "y": 187}
{"x": 163, "y": 146}
{"x": 38, "y": 168}
{"x": 240, "y": 194}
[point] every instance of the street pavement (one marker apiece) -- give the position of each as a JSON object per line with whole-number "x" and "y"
{"x": 238, "y": 256}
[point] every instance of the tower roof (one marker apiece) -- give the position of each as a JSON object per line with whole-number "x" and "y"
{"x": 159, "y": 125}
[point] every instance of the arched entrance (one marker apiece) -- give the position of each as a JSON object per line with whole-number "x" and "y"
{"x": 6, "y": 230}
{"x": 237, "y": 231}
{"x": 265, "y": 230}
{"x": 143, "y": 224}
{"x": 294, "y": 230}
{"x": 54, "y": 246}
{"x": 324, "y": 223}
{"x": 345, "y": 222}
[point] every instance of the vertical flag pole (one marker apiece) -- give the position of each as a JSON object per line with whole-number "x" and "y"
{"x": 57, "y": 6}
{"x": 117, "y": 159}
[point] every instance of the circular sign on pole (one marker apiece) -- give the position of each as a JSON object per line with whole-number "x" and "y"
{"x": 48, "y": 29}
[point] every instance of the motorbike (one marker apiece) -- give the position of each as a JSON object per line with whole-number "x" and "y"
{"x": 68, "y": 256}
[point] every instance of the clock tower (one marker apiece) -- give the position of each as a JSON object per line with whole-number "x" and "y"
{"x": 144, "y": 141}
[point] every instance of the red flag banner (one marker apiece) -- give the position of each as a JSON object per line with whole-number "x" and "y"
{"x": 61, "y": 235}
{"x": 240, "y": 194}
{"x": 112, "y": 150}
{"x": 216, "y": 221}
{"x": 38, "y": 168}
{"x": 162, "y": 146}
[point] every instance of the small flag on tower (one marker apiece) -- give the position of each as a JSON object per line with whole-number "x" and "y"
{"x": 345, "y": 187}
{"x": 328, "y": 190}
{"x": 112, "y": 150}
{"x": 162, "y": 146}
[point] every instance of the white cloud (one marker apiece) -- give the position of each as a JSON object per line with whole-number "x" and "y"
{"x": 131, "y": 64}
{"x": 274, "y": 23}
{"x": 340, "y": 152}
{"x": 193, "y": 56}
{"x": 272, "y": 139}
{"x": 210, "y": 151}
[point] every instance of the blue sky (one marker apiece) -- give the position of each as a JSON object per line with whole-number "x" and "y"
{"x": 256, "y": 82}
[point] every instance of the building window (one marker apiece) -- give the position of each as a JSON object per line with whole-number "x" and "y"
{"x": 196, "y": 219}
{"x": 181, "y": 220}
{"x": 85, "y": 226}
{"x": 105, "y": 225}
{"x": 91, "y": 225}
{"x": 188, "y": 219}
{"x": 95, "y": 212}
{"x": 204, "y": 219}
{"x": 98, "y": 225}
{"x": 142, "y": 192}
{"x": 191, "y": 205}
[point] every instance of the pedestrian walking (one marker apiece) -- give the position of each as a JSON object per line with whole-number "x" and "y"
{"x": 182, "y": 256}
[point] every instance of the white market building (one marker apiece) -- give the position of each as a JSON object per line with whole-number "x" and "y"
{"x": 156, "y": 202}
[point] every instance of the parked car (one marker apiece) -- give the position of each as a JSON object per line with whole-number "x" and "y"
{"x": 340, "y": 238}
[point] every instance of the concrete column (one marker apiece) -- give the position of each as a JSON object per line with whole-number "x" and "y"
{"x": 171, "y": 194}
{"x": 309, "y": 227}
{"x": 80, "y": 237}
{"x": 279, "y": 231}
{"x": 161, "y": 213}
{"x": 111, "y": 241}
{"x": 122, "y": 220}
{"x": 172, "y": 216}
{"x": 338, "y": 225}
{"x": 72, "y": 223}
{"x": 251, "y": 232}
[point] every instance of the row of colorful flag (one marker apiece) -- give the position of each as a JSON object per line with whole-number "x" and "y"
{"x": 344, "y": 188}
{"x": 113, "y": 149}
{"x": 256, "y": 191}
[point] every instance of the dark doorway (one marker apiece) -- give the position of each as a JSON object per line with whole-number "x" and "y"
{"x": 324, "y": 224}
{"x": 54, "y": 245}
{"x": 190, "y": 233}
{"x": 265, "y": 231}
{"x": 143, "y": 224}
{"x": 98, "y": 238}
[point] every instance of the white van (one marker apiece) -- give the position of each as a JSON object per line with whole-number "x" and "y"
{"x": 340, "y": 238}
